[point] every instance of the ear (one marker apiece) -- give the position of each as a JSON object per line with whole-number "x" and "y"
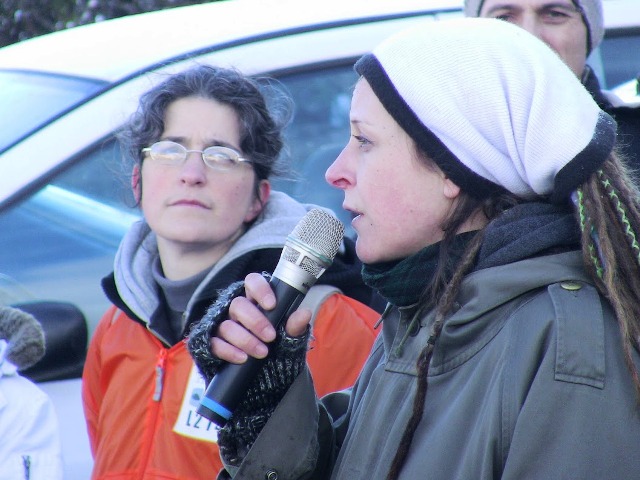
{"x": 450, "y": 189}
{"x": 136, "y": 187}
{"x": 264, "y": 190}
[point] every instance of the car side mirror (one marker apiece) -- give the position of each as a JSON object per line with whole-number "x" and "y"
{"x": 66, "y": 340}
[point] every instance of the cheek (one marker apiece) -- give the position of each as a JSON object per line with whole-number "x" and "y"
{"x": 409, "y": 214}
{"x": 240, "y": 187}
{"x": 237, "y": 196}
{"x": 397, "y": 193}
{"x": 572, "y": 48}
{"x": 380, "y": 180}
{"x": 150, "y": 186}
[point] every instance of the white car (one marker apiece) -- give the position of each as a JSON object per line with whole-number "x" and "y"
{"x": 64, "y": 201}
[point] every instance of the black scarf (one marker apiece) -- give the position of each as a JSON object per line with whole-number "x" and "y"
{"x": 401, "y": 282}
{"x": 526, "y": 230}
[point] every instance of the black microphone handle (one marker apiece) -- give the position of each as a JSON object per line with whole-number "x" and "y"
{"x": 230, "y": 384}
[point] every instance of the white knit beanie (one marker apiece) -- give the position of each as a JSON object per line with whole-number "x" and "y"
{"x": 591, "y": 11}
{"x": 492, "y": 105}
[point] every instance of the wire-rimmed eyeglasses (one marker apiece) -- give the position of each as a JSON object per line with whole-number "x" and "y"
{"x": 217, "y": 157}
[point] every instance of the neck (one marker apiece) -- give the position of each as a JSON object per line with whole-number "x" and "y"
{"x": 180, "y": 263}
{"x": 477, "y": 221}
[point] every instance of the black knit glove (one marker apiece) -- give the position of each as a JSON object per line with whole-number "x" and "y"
{"x": 283, "y": 364}
{"x": 201, "y": 333}
{"x": 285, "y": 361}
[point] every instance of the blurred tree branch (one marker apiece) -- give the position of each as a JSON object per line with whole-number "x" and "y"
{"x": 22, "y": 19}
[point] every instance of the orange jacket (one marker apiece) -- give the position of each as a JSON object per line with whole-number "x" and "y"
{"x": 154, "y": 432}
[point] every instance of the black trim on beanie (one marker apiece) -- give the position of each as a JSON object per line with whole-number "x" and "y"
{"x": 585, "y": 20}
{"x": 578, "y": 170}
{"x": 469, "y": 181}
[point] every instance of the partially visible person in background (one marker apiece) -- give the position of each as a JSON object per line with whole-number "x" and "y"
{"x": 495, "y": 216}
{"x": 30, "y": 446}
{"x": 205, "y": 144}
{"x": 573, "y": 28}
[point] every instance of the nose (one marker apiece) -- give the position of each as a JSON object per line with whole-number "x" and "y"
{"x": 340, "y": 174}
{"x": 193, "y": 169}
{"x": 532, "y": 23}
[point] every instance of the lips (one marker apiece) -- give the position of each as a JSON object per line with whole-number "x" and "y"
{"x": 189, "y": 203}
{"x": 352, "y": 212}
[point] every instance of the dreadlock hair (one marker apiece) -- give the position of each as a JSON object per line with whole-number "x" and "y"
{"x": 441, "y": 292}
{"x": 608, "y": 209}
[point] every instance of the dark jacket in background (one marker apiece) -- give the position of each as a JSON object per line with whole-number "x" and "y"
{"x": 627, "y": 117}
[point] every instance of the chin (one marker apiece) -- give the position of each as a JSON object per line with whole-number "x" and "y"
{"x": 366, "y": 254}
{"x": 377, "y": 253}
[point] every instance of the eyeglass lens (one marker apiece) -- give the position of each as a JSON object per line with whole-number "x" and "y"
{"x": 173, "y": 153}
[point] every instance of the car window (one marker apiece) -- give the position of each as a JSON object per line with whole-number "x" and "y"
{"x": 621, "y": 56}
{"x": 617, "y": 59}
{"x": 317, "y": 133}
{"x": 100, "y": 175}
{"x": 38, "y": 98}
{"x": 59, "y": 242}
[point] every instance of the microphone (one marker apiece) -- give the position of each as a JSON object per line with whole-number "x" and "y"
{"x": 308, "y": 251}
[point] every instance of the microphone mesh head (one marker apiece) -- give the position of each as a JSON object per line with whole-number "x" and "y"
{"x": 318, "y": 232}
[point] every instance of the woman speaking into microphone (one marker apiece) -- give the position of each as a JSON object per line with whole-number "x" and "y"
{"x": 495, "y": 217}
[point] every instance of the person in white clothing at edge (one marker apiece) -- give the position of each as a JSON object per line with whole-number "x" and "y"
{"x": 30, "y": 447}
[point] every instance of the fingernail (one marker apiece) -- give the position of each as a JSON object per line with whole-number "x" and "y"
{"x": 269, "y": 301}
{"x": 268, "y": 334}
{"x": 262, "y": 351}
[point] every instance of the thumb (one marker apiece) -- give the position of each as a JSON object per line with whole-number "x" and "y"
{"x": 298, "y": 322}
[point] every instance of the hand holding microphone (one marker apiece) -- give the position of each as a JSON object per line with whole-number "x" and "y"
{"x": 308, "y": 252}
{"x": 237, "y": 340}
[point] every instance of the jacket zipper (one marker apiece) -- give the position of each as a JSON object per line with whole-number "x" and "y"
{"x": 162, "y": 357}
{"x": 154, "y": 409}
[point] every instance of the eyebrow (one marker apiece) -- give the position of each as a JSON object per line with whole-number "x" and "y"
{"x": 545, "y": 6}
{"x": 358, "y": 121}
{"x": 209, "y": 143}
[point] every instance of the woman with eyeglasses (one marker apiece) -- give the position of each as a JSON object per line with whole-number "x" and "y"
{"x": 495, "y": 216}
{"x": 205, "y": 146}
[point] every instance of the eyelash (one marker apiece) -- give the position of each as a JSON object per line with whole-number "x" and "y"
{"x": 551, "y": 15}
{"x": 361, "y": 140}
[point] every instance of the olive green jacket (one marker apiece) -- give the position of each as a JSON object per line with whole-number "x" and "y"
{"x": 527, "y": 381}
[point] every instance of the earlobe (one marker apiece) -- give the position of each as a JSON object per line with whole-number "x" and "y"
{"x": 135, "y": 183}
{"x": 450, "y": 189}
{"x": 263, "y": 192}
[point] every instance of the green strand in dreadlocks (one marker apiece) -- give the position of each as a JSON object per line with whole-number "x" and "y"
{"x": 622, "y": 214}
{"x": 584, "y": 224}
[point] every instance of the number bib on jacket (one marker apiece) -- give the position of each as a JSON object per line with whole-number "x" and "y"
{"x": 189, "y": 422}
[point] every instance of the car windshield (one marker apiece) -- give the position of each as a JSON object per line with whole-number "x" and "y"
{"x": 38, "y": 97}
